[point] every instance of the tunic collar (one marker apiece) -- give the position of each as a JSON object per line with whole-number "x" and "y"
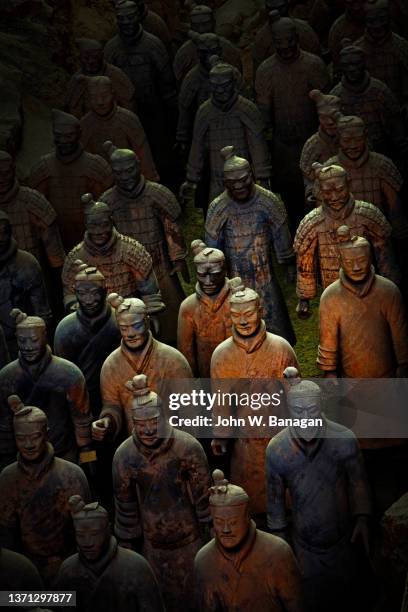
{"x": 35, "y": 370}
{"x": 132, "y": 195}
{"x": 11, "y": 251}
{"x": 34, "y": 470}
{"x": 252, "y": 344}
{"x": 215, "y": 302}
{"x": 346, "y": 162}
{"x": 103, "y": 250}
{"x": 138, "y": 359}
{"x": 309, "y": 449}
{"x": 238, "y": 557}
{"x": 225, "y": 108}
{"x": 99, "y": 566}
{"x": 359, "y": 289}
{"x": 11, "y": 193}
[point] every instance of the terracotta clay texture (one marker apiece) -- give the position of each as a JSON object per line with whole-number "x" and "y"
{"x": 32, "y": 217}
{"x": 67, "y": 173}
{"x": 350, "y": 25}
{"x": 154, "y": 24}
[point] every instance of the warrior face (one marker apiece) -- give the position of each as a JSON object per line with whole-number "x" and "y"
{"x": 353, "y": 142}
{"x": 211, "y": 277}
{"x": 127, "y": 173}
{"x": 99, "y": 229}
{"x": 66, "y": 139}
{"x": 356, "y": 263}
{"x": 335, "y": 191}
{"x": 101, "y": 98}
{"x": 239, "y": 184}
{"x": 286, "y": 42}
{"x": 278, "y": 5}
{"x": 353, "y": 67}
{"x": 32, "y": 343}
{"x": 7, "y": 173}
{"x": 246, "y": 317}
{"x": 31, "y": 438}
{"x": 92, "y": 537}
{"x": 222, "y": 88}
{"x": 328, "y": 122}
{"x": 378, "y": 21}
{"x": 91, "y": 298}
{"x": 203, "y": 23}
{"x": 146, "y": 431}
{"x": 5, "y": 235}
{"x": 231, "y": 524}
{"x": 128, "y": 22}
{"x": 306, "y": 408}
{"x": 91, "y": 61}
{"x": 134, "y": 329}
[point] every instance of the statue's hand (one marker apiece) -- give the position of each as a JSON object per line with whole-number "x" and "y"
{"x": 100, "y": 428}
{"x": 187, "y": 193}
{"x": 219, "y": 446}
{"x": 303, "y": 309}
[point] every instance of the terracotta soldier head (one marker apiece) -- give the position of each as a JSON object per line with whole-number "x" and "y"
{"x": 7, "y": 172}
{"x": 202, "y": 19}
{"x": 285, "y": 37}
{"x": 91, "y": 524}
{"x": 229, "y": 506}
{"x": 90, "y": 289}
{"x": 30, "y": 429}
{"x": 352, "y": 135}
{"x": 101, "y": 95}
{"x": 90, "y": 56}
{"x": 378, "y": 19}
{"x": 207, "y": 46}
{"x": 5, "y": 232}
{"x": 98, "y": 221}
{"x": 352, "y": 63}
{"x": 146, "y": 411}
{"x": 66, "y": 131}
{"x": 238, "y": 176}
{"x": 333, "y": 185}
{"x": 223, "y": 83}
{"x": 355, "y": 255}
{"x": 126, "y": 167}
{"x": 133, "y": 320}
{"x": 128, "y": 19}
{"x": 31, "y": 336}
{"x": 210, "y": 266}
{"x": 246, "y": 311}
{"x": 304, "y": 401}
{"x": 328, "y": 110}
{"x": 282, "y": 6}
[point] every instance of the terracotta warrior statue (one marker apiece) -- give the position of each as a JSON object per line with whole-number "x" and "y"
{"x": 386, "y": 52}
{"x": 54, "y": 384}
{"x": 65, "y": 174}
{"x": 246, "y": 222}
{"x": 88, "y": 335}
{"x": 107, "y": 121}
{"x": 32, "y": 218}
{"x": 243, "y": 567}
{"x": 150, "y": 213}
{"x": 350, "y": 25}
{"x": 282, "y": 85}
{"x": 92, "y": 63}
{"x": 324, "y": 143}
{"x": 370, "y": 99}
{"x": 124, "y": 262}
{"x": 322, "y": 469}
{"x": 315, "y": 241}
{"x": 264, "y": 45}
{"x": 139, "y": 352}
{"x": 22, "y": 285}
{"x": 154, "y": 24}
{"x": 352, "y": 344}
{"x": 161, "y": 479}
{"x": 104, "y": 575}
{"x": 251, "y": 353}
{"x": 204, "y": 319}
{"x": 196, "y": 87}
{"x": 34, "y": 512}
{"x": 373, "y": 177}
{"x": 202, "y": 21}
{"x": 225, "y": 119}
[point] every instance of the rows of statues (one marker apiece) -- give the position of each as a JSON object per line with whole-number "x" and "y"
{"x": 296, "y": 156}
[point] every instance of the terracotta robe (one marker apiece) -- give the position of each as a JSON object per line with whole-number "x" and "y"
{"x": 342, "y": 28}
{"x": 318, "y": 148}
{"x": 152, "y": 216}
{"x": 34, "y": 513}
{"x": 246, "y": 233}
{"x": 363, "y": 332}
{"x": 154, "y": 24}
{"x": 120, "y": 580}
{"x": 156, "y": 360}
{"x": 34, "y": 223}
{"x": 56, "y": 386}
{"x": 186, "y": 57}
{"x": 264, "y": 355}
{"x": 63, "y": 182}
{"x": 263, "y": 45}
{"x": 161, "y": 496}
{"x": 261, "y": 575}
{"x": 204, "y": 322}
{"x": 123, "y": 128}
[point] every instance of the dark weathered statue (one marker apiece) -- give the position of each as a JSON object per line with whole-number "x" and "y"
{"x": 363, "y": 324}
{"x": 124, "y": 262}
{"x": 251, "y": 353}
{"x": 150, "y": 213}
{"x": 67, "y": 173}
{"x": 321, "y": 467}
{"x": 138, "y": 353}
{"x": 56, "y": 385}
{"x": 349, "y": 25}
{"x": 246, "y": 222}
{"x": 244, "y": 568}
{"x": 315, "y": 241}
{"x": 34, "y": 512}
{"x": 161, "y": 478}
{"x": 104, "y": 575}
